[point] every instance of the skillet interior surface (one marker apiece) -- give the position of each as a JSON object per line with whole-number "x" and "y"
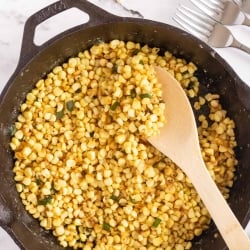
{"x": 214, "y": 76}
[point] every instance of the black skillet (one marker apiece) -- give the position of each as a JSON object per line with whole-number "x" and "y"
{"x": 35, "y": 61}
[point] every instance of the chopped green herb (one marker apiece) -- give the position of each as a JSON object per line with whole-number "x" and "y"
{"x": 53, "y": 190}
{"x": 132, "y": 200}
{"x": 115, "y": 69}
{"x": 132, "y": 93}
{"x": 135, "y": 52}
{"x": 114, "y": 197}
{"x": 45, "y": 200}
{"x": 98, "y": 41}
{"x": 38, "y": 182}
{"x": 70, "y": 105}
{"x": 92, "y": 134}
{"x": 114, "y": 106}
{"x": 145, "y": 95}
{"x": 12, "y": 130}
{"x": 106, "y": 226}
{"x": 59, "y": 114}
{"x": 141, "y": 62}
{"x": 156, "y": 222}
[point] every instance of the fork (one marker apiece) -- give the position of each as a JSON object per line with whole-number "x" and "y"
{"x": 225, "y": 12}
{"x": 208, "y": 30}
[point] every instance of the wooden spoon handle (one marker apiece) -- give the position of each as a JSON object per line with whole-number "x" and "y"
{"x": 226, "y": 222}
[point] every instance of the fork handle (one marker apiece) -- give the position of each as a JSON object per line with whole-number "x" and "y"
{"x": 240, "y": 46}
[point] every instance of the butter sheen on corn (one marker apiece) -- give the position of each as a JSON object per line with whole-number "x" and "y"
{"x": 83, "y": 167}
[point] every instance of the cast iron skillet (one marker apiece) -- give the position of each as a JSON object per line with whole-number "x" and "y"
{"x": 214, "y": 74}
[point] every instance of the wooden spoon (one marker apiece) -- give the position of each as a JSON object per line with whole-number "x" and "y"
{"x": 178, "y": 140}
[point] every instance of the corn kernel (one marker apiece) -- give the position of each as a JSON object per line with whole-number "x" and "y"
{"x": 59, "y": 230}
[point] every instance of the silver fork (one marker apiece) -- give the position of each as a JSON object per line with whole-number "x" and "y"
{"x": 208, "y": 30}
{"x": 239, "y": 2}
{"x": 225, "y": 12}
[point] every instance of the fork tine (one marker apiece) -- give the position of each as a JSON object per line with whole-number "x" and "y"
{"x": 189, "y": 28}
{"x": 239, "y": 2}
{"x": 194, "y": 22}
{"x": 215, "y": 4}
{"x": 204, "y": 23}
{"x": 207, "y": 29}
{"x": 218, "y": 3}
{"x": 208, "y": 8}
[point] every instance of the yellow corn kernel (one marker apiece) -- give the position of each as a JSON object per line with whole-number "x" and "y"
{"x": 59, "y": 230}
{"x": 120, "y": 138}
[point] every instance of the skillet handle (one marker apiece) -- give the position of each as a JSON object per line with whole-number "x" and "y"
{"x": 29, "y": 49}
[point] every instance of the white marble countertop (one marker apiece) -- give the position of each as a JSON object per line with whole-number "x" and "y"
{"x": 14, "y": 13}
